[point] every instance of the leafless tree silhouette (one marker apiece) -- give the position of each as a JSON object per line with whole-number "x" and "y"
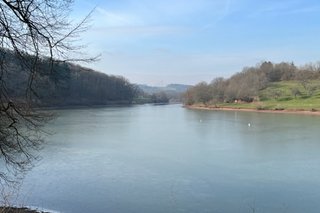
{"x": 31, "y": 31}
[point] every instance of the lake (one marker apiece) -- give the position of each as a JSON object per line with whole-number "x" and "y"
{"x": 171, "y": 159}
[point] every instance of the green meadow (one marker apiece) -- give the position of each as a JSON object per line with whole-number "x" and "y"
{"x": 284, "y": 95}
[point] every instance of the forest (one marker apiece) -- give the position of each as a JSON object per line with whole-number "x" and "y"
{"x": 263, "y": 82}
{"x": 66, "y": 84}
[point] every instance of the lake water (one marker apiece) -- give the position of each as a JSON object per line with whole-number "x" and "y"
{"x": 171, "y": 159}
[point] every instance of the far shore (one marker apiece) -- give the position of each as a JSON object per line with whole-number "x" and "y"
{"x": 64, "y": 107}
{"x": 213, "y": 108}
{"x": 18, "y": 210}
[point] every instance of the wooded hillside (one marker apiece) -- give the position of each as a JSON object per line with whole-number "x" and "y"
{"x": 67, "y": 84}
{"x": 264, "y": 82}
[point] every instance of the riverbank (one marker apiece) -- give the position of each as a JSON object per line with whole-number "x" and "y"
{"x": 284, "y": 111}
{"x": 44, "y": 108}
{"x": 18, "y": 210}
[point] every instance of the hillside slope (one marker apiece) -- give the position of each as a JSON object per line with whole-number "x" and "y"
{"x": 66, "y": 84}
{"x": 284, "y": 95}
{"x": 268, "y": 86}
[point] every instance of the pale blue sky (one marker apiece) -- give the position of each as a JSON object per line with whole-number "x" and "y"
{"x": 173, "y": 41}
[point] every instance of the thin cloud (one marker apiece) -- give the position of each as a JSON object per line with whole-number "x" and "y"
{"x": 305, "y": 10}
{"x": 142, "y": 30}
{"x": 114, "y": 19}
{"x": 224, "y": 14}
{"x": 285, "y": 8}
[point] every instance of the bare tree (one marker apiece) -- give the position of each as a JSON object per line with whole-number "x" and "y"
{"x": 31, "y": 31}
{"x": 202, "y": 93}
{"x": 218, "y": 86}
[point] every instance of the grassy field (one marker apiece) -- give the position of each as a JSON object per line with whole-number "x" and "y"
{"x": 285, "y": 95}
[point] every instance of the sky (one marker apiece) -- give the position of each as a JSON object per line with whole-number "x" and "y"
{"x": 158, "y": 42}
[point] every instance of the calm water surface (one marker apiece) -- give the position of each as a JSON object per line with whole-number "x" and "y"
{"x": 171, "y": 159}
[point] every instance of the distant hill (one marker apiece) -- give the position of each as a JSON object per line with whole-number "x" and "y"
{"x": 179, "y": 87}
{"x": 174, "y": 92}
{"x": 170, "y": 88}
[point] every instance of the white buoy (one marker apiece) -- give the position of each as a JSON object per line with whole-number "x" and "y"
{"x": 200, "y": 121}
{"x": 249, "y": 124}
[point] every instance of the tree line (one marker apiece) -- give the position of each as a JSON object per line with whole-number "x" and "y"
{"x": 245, "y": 85}
{"x": 67, "y": 84}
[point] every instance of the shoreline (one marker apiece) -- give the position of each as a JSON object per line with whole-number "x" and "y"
{"x": 8, "y": 209}
{"x": 298, "y": 112}
{"x": 67, "y": 107}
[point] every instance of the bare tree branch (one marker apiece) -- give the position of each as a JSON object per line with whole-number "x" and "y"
{"x": 31, "y": 31}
